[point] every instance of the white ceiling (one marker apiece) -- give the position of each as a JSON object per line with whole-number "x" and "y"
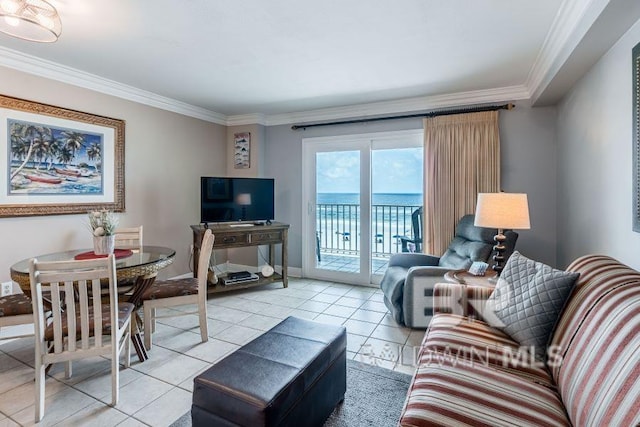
{"x": 225, "y": 59}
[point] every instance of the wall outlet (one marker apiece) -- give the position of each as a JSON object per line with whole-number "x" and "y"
{"x": 7, "y": 288}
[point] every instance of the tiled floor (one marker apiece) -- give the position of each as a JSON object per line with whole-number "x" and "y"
{"x": 158, "y": 391}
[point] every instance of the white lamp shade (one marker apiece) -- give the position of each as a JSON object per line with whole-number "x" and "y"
{"x": 502, "y": 210}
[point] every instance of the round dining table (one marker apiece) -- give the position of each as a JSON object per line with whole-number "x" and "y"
{"x": 138, "y": 268}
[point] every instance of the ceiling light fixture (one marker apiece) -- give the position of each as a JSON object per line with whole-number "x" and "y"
{"x": 33, "y": 20}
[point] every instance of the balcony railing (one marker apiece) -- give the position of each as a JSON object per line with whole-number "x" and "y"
{"x": 338, "y": 228}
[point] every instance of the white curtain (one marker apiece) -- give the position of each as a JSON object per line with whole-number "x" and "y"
{"x": 461, "y": 159}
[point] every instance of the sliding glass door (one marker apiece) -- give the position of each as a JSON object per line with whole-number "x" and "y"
{"x": 358, "y": 193}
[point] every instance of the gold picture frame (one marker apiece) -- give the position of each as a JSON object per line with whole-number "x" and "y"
{"x": 59, "y": 161}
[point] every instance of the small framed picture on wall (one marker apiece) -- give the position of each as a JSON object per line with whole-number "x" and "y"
{"x": 242, "y": 150}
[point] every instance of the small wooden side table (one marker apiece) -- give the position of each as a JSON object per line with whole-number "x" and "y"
{"x": 464, "y": 278}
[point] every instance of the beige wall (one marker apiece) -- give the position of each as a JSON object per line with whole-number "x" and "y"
{"x": 166, "y": 153}
{"x": 595, "y": 160}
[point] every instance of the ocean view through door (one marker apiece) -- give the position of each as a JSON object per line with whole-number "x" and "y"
{"x": 359, "y": 194}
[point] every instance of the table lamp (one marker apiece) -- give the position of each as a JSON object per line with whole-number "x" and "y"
{"x": 502, "y": 211}
{"x": 244, "y": 200}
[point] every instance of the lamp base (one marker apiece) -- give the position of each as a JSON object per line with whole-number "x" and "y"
{"x": 499, "y": 249}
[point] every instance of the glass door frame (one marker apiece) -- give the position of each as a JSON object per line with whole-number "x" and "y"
{"x": 312, "y": 146}
{"x": 366, "y": 144}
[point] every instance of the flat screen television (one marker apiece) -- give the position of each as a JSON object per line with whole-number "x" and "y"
{"x": 236, "y": 199}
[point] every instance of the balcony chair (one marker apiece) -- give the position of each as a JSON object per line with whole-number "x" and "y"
{"x": 171, "y": 293}
{"x": 414, "y": 244}
{"x": 79, "y": 321}
{"x": 409, "y": 280}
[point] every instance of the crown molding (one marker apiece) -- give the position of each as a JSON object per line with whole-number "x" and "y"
{"x": 40, "y": 67}
{"x": 510, "y": 93}
{"x": 573, "y": 20}
{"x": 247, "y": 119}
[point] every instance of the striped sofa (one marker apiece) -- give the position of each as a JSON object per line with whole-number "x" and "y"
{"x": 470, "y": 374}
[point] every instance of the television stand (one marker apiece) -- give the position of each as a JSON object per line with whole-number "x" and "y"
{"x": 227, "y": 236}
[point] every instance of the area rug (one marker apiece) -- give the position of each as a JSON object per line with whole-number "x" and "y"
{"x": 374, "y": 397}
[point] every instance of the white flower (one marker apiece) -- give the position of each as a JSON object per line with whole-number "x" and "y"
{"x": 102, "y": 223}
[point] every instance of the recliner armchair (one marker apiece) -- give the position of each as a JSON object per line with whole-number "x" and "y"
{"x": 409, "y": 280}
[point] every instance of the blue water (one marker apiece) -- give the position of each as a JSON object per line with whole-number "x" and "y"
{"x": 396, "y": 199}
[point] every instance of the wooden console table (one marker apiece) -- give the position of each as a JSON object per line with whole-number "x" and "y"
{"x": 227, "y": 236}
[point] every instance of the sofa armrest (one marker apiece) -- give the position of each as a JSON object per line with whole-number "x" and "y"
{"x": 408, "y": 260}
{"x": 460, "y": 299}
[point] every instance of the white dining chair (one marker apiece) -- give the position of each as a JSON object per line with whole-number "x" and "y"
{"x": 128, "y": 238}
{"x": 171, "y": 293}
{"x": 80, "y": 325}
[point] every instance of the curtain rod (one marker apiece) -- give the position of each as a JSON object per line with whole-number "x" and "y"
{"x": 508, "y": 106}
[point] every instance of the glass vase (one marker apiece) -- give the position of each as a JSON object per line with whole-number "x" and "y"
{"x": 103, "y": 245}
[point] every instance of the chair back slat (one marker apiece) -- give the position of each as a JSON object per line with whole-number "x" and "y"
{"x": 70, "y": 309}
{"x": 83, "y": 302}
{"x": 128, "y": 238}
{"x": 57, "y": 317}
{"x": 203, "y": 261}
{"x": 97, "y": 309}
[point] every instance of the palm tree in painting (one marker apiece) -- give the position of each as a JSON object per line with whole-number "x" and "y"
{"x": 65, "y": 155}
{"x": 73, "y": 140}
{"x": 26, "y": 138}
{"x": 95, "y": 152}
{"x": 52, "y": 152}
{"x": 42, "y": 145}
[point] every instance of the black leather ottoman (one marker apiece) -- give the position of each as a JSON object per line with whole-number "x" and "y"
{"x": 292, "y": 375}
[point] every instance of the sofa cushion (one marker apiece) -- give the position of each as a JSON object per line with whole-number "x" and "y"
{"x": 474, "y": 341}
{"x": 527, "y": 301}
{"x": 462, "y": 394}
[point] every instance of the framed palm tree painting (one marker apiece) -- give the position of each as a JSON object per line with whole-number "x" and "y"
{"x": 59, "y": 161}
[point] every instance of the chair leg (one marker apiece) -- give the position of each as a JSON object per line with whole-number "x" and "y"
{"x": 127, "y": 345}
{"x": 115, "y": 374}
{"x": 204, "y": 327}
{"x": 148, "y": 320}
{"x": 40, "y": 380}
{"x": 68, "y": 369}
{"x": 153, "y": 320}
